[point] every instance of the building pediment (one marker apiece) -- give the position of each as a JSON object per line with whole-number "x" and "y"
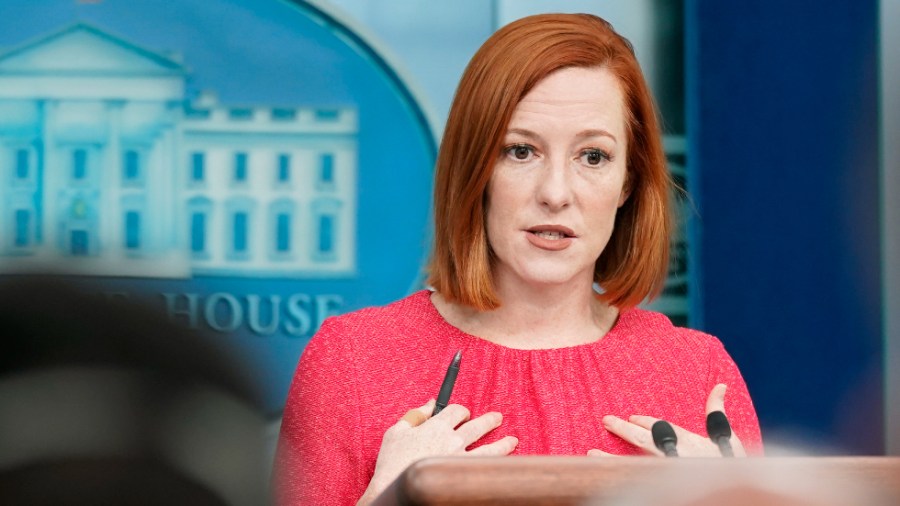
{"x": 82, "y": 49}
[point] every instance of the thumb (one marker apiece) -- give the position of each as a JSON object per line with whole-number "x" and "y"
{"x": 716, "y": 400}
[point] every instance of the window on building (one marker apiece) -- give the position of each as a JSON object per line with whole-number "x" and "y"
{"x": 283, "y": 114}
{"x": 326, "y": 234}
{"x": 79, "y": 164}
{"x": 283, "y": 232}
{"x": 198, "y": 232}
{"x": 22, "y": 163}
{"x": 240, "y": 232}
{"x": 240, "y": 167}
{"x": 131, "y": 165}
{"x": 79, "y": 244}
{"x": 284, "y": 168}
{"x": 132, "y": 230}
{"x": 23, "y": 222}
{"x": 197, "y": 167}
{"x": 240, "y": 113}
{"x": 280, "y": 234}
{"x": 328, "y": 114}
{"x": 196, "y": 113}
{"x": 326, "y": 169}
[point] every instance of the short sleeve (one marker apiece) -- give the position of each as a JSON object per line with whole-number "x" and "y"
{"x": 317, "y": 459}
{"x": 738, "y": 405}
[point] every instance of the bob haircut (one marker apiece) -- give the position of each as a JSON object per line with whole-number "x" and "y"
{"x": 634, "y": 264}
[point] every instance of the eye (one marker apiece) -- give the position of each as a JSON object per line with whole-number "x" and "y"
{"x": 520, "y": 151}
{"x": 595, "y": 156}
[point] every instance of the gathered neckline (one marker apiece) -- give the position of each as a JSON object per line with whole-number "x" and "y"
{"x": 618, "y": 330}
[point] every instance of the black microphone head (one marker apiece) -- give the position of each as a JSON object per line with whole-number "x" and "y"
{"x": 663, "y": 434}
{"x": 717, "y": 425}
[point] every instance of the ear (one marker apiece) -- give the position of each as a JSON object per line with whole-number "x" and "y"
{"x": 626, "y": 189}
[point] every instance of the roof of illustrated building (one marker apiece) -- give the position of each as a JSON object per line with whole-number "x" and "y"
{"x": 80, "y": 49}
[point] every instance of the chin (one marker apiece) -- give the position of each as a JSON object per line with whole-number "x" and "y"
{"x": 551, "y": 277}
{"x": 546, "y": 272}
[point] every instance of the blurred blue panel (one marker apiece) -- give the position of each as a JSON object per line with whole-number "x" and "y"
{"x": 432, "y": 41}
{"x": 784, "y": 145}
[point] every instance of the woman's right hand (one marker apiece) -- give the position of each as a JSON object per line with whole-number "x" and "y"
{"x": 418, "y": 435}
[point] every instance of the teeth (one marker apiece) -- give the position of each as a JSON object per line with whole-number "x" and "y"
{"x": 550, "y": 235}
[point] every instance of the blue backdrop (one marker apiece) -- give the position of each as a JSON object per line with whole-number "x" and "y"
{"x": 783, "y": 147}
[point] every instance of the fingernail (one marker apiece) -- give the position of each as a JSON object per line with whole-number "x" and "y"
{"x": 608, "y": 420}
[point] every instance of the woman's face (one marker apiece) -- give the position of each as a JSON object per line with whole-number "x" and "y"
{"x": 559, "y": 180}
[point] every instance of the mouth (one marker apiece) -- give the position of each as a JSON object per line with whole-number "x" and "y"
{"x": 552, "y": 232}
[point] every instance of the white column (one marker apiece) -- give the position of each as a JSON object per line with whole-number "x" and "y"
{"x": 53, "y": 176}
{"x": 175, "y": 165}
{"x": 112, "y": 222}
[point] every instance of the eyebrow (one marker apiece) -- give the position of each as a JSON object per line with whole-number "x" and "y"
{"x": 595, "y": 133}
{"x": 584, "y": 134}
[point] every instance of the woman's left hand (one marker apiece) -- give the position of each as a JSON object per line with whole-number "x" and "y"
{"x": 636, "y": 430}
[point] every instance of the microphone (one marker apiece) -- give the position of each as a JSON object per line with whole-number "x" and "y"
{"x": 719, "y": 431}
{"x": 664, "y": 438}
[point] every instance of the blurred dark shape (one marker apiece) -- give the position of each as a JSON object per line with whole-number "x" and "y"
{"x": 105, "y": 401}
{"x": 102, "y": 481}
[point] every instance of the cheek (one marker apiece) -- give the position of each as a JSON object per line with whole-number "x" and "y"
{"x": 491, "y": 207}
{"x": 501, "y": 207}
{"x": 611, "y": 191}
{"x": 501, "y": 198}
{"x": 608, "y": 193}
{"x": 604, "y": 207}
{"x": 496, "y": 219}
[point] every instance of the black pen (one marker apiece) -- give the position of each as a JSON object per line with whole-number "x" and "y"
{"x": 447, "y": 385}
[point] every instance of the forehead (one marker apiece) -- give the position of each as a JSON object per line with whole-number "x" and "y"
{"x": 575, "y": 93}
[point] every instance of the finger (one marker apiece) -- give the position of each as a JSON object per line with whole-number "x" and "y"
{"x": 600, "y": 453}
{"x": 474, "y": 429}
{"x": 414, "y": 417}
{"x": 634, "y": 434}
{"x": 452, "y": 415}
{"x": 716, "y": 400}
{"x": 417, "y": 416}
{"x": 643, "y": 421}
{"x": 686, "y": 437}
{"x": 699, "y": 445}
{"x": 504, "y": 446}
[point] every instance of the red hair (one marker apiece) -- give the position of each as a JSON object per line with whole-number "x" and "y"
{"x": 511, "y": 62}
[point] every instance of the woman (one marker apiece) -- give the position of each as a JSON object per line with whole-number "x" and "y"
{"x": 552, "y": 222}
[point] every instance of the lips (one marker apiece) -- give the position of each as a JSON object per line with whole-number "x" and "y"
{"x": 550, "y": 237}
{"x": 552, "y": 231}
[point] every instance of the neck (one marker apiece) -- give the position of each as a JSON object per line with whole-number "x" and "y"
{"x": 536, "y": 317}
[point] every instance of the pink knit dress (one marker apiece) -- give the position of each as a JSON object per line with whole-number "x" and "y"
{"x": 362, "y": 371}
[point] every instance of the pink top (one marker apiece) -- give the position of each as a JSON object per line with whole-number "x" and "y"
{"x": 362, "y": 371}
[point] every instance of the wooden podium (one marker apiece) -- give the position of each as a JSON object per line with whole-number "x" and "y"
{"x": 547, "y": 480}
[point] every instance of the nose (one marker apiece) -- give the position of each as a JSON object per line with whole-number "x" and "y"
{"x": 554, "y": 185}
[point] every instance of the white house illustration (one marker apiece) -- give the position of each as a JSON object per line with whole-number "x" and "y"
{"x": 107, "y": 168}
